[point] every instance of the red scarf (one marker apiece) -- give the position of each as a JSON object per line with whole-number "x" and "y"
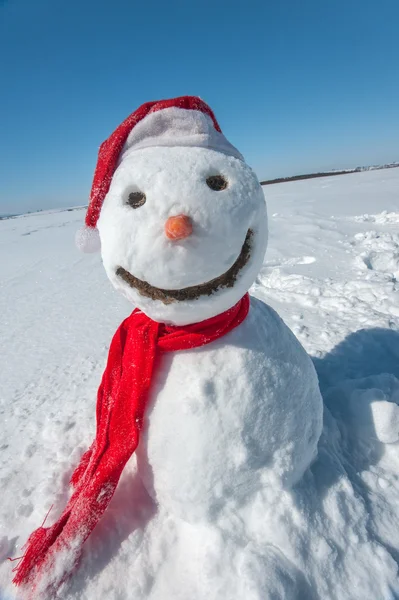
{"x": 121, "y": 401}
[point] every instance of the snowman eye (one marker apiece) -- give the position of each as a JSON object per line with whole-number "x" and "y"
{"x": 216, "y": 183}
{"x": 136, "y": 199}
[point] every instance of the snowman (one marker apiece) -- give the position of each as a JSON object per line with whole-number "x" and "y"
{"x": 206, "y": 384}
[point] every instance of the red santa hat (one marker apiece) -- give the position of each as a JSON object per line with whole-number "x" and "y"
{"x": 184, "y": 121}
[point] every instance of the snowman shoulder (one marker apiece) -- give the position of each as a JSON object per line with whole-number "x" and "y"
{"x": 272, "y": 336}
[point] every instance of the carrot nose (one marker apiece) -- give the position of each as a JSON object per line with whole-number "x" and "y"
{"x": 178, "y": 228}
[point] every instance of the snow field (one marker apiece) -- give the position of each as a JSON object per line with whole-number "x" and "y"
{"x": 331, "y": 272}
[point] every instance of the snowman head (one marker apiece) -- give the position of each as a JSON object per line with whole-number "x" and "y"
{"x": 180, "y": 215}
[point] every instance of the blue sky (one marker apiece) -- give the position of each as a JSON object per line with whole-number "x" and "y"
{"x": 297, "y": 85}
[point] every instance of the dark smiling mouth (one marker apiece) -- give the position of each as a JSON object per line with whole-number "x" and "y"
{"x": 227, "y": 280}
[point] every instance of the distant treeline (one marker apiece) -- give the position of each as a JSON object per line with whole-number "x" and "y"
{"x": 328, "y": 174}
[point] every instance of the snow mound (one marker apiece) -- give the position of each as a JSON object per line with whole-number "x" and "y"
{"x": 381, "y": 252}
{"x": 383, "y": 217}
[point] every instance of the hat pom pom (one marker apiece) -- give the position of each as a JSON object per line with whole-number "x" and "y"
{"x": 87, "y": 239}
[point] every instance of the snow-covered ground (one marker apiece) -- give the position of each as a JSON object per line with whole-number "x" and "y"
{"x": 331, "y": 271}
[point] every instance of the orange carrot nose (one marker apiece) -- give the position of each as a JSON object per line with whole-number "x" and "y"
{"x": 178, "y": 228}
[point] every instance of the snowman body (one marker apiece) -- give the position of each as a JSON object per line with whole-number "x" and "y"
{"x": 183, "y": 232}
{"x": 225, "y": 418}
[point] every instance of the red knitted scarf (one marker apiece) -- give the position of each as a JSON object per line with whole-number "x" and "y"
{"x": 121, "y": 401}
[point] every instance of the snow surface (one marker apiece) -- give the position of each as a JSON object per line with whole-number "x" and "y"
{"x": 331, "y": 272}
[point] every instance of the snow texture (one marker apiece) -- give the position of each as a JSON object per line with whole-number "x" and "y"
{"x": 332, "y": 533}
